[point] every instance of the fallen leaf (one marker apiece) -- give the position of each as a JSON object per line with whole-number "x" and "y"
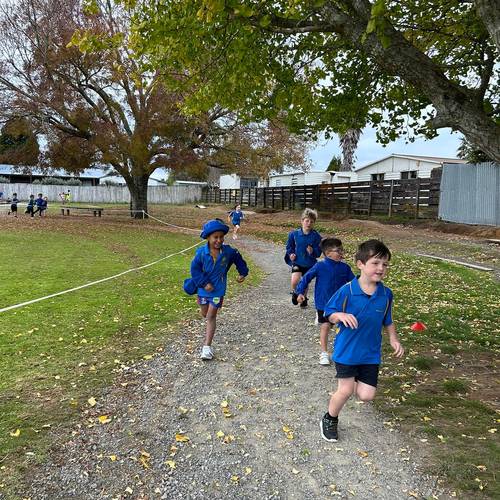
{"x": 482, "y": 468}
{"x": 104, "y": 419}
{"x": 413, "y": 494}
{"x": 362, "y": 453}
{"x": 492, "y": 431}
{"x": 183, "y": 410}
{"x": 91, "y": 401}
{"x": 148, "y": 356}
{"x": 235, "y": 479}
{"x": 129, "y": 490}
{"x": 171, "y": 463}
{"x": 220, "y": 434}
{"x": 112, "y": 458}
{"x": 248, "y": 470}
{"x": 181, "y": 437}
{"x": 295, "y": 471}
{"x": 15, "y": 433}
{"x": 224, "y": 404}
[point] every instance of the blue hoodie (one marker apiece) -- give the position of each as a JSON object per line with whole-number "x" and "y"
{"x": 298, "y": 242}
{"x": 204, "y": 270}
{"x": 330, "y": 276}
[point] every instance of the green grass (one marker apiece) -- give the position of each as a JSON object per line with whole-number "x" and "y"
{"x": 56, "y": 354}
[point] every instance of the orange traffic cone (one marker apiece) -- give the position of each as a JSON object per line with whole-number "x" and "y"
{"x": 418, "y": 326}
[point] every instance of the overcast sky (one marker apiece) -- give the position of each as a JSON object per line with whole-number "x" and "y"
{"x": 445, "y": 145}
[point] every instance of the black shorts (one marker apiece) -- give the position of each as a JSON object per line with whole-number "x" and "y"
{"x": 321, "y": 317}
{"x": 368, "y": 374}
{"x": 299, "y": 269}
{"x": 13, "y": 208}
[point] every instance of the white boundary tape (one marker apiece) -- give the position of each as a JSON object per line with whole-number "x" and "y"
{"x": 22, "y": 304}
{"x": 171, "y": 225}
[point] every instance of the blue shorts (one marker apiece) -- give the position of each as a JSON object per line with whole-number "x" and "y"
{"x": 214, "y": 301}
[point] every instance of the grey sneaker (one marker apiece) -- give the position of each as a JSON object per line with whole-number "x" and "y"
{"x": 328, "y": 427}
{"x": 206, "y": 352}
{"x": 324, "y": 359}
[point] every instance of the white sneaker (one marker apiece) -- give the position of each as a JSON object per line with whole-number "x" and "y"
{"x": 206, "y": 352}
{"x": 324, "y": 359}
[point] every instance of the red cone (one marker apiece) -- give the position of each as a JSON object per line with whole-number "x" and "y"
{"x": 418, "y": 326}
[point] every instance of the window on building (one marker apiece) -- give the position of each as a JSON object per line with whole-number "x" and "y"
{"x": 248, "y": 182}
{"x": 278, "y": 182}
{"x": 295, "y": 181}
{"x": 410, "y": 174}
{"x": 378, "y": 177}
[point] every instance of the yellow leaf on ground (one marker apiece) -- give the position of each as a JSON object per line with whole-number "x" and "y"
{"x": 129, "y": 490}
{"x": 286, "y": 429}
{"x": 413, "y": 494}
{"x": 248, "y": 470}
{"x": 426, "y": 418}
{"x": 362, "y": 453}
{"x": 235, "y": 479}
{"x": 183, "y": 410}
{"x": 171, "y": 463}
{"x": 180, "y": 437}
{"x": 492, "y": 431}
{"x": 91, "y": 401}
{"x": 15, "y": 433}
{"x": 104, "y": 419}
{"x": 482, "y": 468}
{"x": 295, "y": 471}
{"x": 220, "y": 434}
{"x": 113, "y": 458}
{"x": 148, "y": 356}
{"x": 224, "y": 404}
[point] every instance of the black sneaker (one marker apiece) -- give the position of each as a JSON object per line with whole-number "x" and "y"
{"x": 328, "y": 427}
{"x": 304, "y": 303}
{"x": 294, "y": 299}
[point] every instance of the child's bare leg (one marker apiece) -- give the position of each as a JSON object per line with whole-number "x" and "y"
{"x": 295, "y": 281}
{"x": 365, "y": 392}
{"x": 211, "y": 324}
{"x": 323, "y": 336}
{"x": 204, "y": 310}
{"x": 344, "y": 391}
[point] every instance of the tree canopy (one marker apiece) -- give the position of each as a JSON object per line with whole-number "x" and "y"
{"x": 405, "y": 68}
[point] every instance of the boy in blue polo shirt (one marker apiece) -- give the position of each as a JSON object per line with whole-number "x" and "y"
{"x": 361, "y": 308}
{"x": 302, "y": 251}
{"x": 235, "y": 216}
{"x": 330, "y": 273}
{"x": 209, "y": 270}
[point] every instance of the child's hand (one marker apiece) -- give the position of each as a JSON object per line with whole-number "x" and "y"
{"x": 348, "y": 320}
{"x": 309, "y": 249}
{"x": 398, "y": 348}
{"x": 300, "y": 298}
{"x": 208, "y": 287}
{"x": 292, "y": 256}
{"x": 240, "y": 279}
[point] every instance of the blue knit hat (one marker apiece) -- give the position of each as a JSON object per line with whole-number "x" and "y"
{"x": 211, "y": 226}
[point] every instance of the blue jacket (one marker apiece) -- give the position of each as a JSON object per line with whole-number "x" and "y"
{"x": 204, "y": 270}
{"x": 330, "y": 276}
{"x": 236, "y": 216}
{"x": 39, "y": 202}
{"x": 297, "y": 243}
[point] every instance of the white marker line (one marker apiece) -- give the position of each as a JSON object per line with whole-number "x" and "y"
{"x": 453, "y": 261}
{"x": 172, "y": 225}
{"x": 22, "y": 304}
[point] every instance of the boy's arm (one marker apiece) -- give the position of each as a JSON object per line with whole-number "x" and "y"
{"x": 306, "y": 279}
{"x": 334, "y": 309}
{"x": 290, "y": 244}
{"x": 241, "y": 265}
{"x": 197, "y": 273}
{"x": 394, "y": 340}
{"x": 316, "y": 247}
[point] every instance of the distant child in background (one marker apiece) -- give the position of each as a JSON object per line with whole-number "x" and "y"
{"x": 13, "y": 204}
{"x": 331, "y": 274}
{"x": 235, "y": 217}
{"x": 361, "y": 308}
{"x": 302, "y": 251}
{"x": 209, "y": 270}
{"x": 68, "y": 196}
{"x": 31, "y": 205}
{"x": 44, "y": 206}
{"x": 39, "y": 204}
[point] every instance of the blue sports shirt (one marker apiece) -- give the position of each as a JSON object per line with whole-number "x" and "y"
{"x": 297, "y": 243}
{"x": 362, "y": 345}
{"x": 204, "y": 270}
{"x": 330, "y": 276}
{"x": 236, "y": 216}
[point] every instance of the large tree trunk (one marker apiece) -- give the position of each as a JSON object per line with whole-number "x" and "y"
{"x": 138, "y": 187}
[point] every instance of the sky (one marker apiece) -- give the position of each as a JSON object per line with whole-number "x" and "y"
{"x": 444, "y": 145}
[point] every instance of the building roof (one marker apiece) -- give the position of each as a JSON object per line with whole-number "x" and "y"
{"x": 431, "y": 159}
{"x": 92, "y": 173}
{"x": 299, "y": 173}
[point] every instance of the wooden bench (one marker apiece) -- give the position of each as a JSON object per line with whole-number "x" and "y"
{"x": 96, "y": 210}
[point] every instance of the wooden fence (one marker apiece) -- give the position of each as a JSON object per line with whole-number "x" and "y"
{"x": 414, "y": 197}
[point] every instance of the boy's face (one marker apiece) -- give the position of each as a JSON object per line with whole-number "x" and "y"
{"x": 307, "y": 224}
{"x": 375, "y": 268}
{"x": 216, "y": 239}
{"x": 238, "y": 207}
{"x": 336, "y": 254}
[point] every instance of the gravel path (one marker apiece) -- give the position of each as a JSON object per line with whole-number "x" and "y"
{"x": 251, "y": 416}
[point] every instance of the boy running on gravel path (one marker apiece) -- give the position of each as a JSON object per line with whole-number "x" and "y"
{"x": 209, "y": 270}
{"x": 362, "y": 308}
{"x": 330, "y": 273}
{"x": 302, "y": 251}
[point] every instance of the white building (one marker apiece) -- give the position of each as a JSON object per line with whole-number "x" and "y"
{"x": 299, "y": 179}
{"x": 395, "y": 167}
{"x": 234, "y": 181}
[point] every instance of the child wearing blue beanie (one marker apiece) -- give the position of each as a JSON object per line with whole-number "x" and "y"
{"x": 209, "y": 270}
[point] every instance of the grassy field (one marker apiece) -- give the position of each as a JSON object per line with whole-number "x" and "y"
{"x": 445, "y": 393}
{"x": 57, "y": 354}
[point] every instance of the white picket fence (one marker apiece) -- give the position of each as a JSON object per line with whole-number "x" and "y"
{"x": 103, "y": 194}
